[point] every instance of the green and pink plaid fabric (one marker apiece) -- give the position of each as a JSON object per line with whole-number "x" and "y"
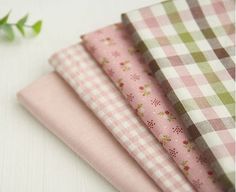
{"x": 190, "y": 47}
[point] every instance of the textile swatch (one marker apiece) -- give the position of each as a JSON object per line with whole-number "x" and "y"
{"x": 189, "y": 45}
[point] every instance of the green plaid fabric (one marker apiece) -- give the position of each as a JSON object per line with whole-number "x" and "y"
{"x": 190, "y": 47}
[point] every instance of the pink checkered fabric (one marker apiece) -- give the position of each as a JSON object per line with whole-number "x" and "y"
{"x": 190, "y": 47}
{"x": 76, "y": 66}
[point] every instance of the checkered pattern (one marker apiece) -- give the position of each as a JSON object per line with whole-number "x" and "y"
{"x": 189, "y": 45}
{"x": 101, "y": 96}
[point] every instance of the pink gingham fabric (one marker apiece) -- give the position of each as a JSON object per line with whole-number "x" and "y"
{"x": 77, "y": 67}
{"x": 125, "y": 67}
{"x": 190, "y": 47}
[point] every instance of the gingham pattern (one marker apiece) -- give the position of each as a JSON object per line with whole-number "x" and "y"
{"x": 189, "y": 45}
{"x": 76, "y": 66}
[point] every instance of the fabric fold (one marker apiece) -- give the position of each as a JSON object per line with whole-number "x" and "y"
{"x": 125, "y": 67}
{"x": 59, "y": 109}
{"x": 78, "y": 68}
{"x": 190, "y": 46}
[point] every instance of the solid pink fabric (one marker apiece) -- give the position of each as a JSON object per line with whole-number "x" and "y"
{"x": 112, "y": 48}
{"x": 57, "y": 107}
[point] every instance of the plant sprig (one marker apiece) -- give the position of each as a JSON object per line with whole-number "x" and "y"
{"x": 8, "y": 28}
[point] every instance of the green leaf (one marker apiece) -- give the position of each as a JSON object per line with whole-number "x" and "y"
{"x": 4, "y": 19}
{"x": 8, "y": 31}
{"x": 37, "y": 27}
{"x": 20, "y": 24}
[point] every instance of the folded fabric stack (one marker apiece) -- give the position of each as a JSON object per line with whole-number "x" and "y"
{"x": 157, "y": 94}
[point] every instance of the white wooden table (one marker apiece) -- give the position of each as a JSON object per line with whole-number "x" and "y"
{"x": 31, "y": 158}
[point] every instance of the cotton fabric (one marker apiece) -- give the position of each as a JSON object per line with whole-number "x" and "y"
{"x": 189, "y": 45}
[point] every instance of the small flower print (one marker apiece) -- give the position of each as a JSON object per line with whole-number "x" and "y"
{"x": 110, "y": 72}
{"x": 130, "y": 97}
{"x": 173, "y": 152}
{"x": 177, "y": 129}
{"x": 185, "y": 167}
{"x": 132, "y": 50}
{"x": 134, "y": 77}
{"x": 120, "y": 83}
{"x": 202, "y": 159}
{"x": 164, "y": 139}
{"x": 115, "y": 54}
{"x": 210, "y": 173}
{"x": 147, "y": 72}
{"x": 139, "y": 110}
{"x": 103, "y": 61}
{"x": 108, "y": 41}
{"x": 211, "y": 176}
{"x": 197, "y": 183}
{"x": 168, "y": 115}
{"x": 125, "y": 65}
{"x": 145, "y": 90}
{"x": 150, "y": 124}
{"x": 155, "y": 102}
{"x": 188, "y": 145}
